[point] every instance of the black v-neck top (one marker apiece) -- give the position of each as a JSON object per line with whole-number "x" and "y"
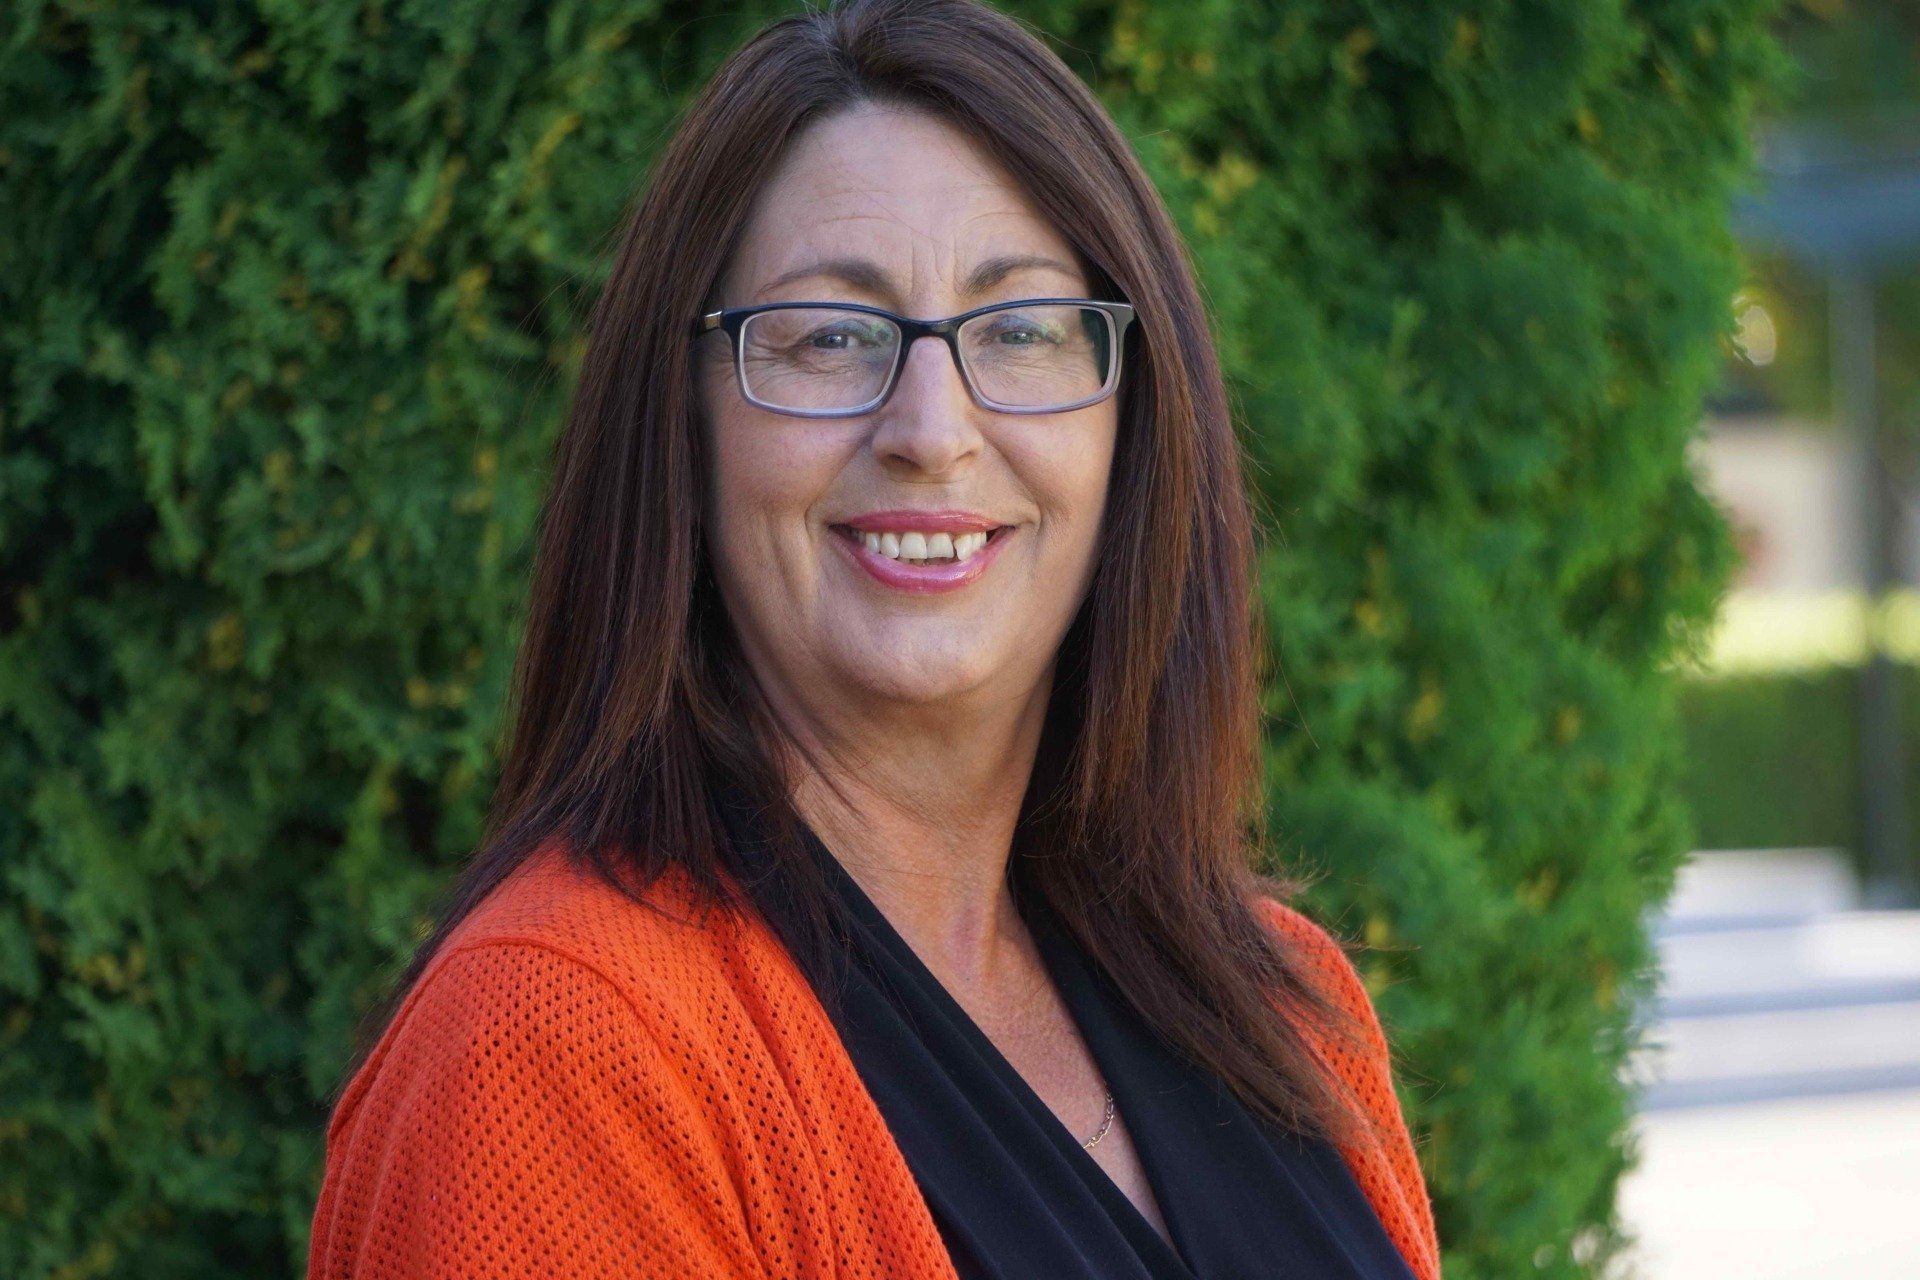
{"x": 1015, "y": 1195}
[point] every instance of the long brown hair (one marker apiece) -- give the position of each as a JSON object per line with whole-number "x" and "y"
{"x": 631, "y": 704}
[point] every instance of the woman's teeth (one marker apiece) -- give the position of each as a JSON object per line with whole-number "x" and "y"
{"x": 919, "y": 547}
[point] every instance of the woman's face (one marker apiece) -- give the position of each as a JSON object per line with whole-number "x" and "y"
{"x": 921, "y": 211}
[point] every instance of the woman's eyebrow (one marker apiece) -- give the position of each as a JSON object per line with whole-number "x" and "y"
{"x": 865, "y": 274}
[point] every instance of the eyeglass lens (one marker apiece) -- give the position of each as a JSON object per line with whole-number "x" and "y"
{"x": 822, "y": 359}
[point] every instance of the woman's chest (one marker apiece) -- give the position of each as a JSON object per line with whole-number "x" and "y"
{"x": 1047, "y": 1050}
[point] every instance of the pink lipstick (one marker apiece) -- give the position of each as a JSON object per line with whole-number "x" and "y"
{"x": 945, "y": 550}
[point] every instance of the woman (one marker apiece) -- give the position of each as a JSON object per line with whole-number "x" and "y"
{"x": 868, "y": 891}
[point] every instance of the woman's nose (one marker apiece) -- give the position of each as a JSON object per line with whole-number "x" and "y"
{"x": 929, "y": 421}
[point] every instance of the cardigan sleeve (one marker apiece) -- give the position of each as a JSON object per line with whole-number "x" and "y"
{"x": 520, "y": 1120}
{"x": 1387, "y": 1169}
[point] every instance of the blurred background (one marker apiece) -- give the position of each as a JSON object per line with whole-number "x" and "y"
{"x": 1576, "y": 345}
{"x": 1781, "y": 1119}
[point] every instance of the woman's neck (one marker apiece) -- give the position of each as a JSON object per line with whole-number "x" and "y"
{"x": 924, "y": 824}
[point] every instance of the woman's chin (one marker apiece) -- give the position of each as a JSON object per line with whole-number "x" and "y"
{"x": 920, "y": 676}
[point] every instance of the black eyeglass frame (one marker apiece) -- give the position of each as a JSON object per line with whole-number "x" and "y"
{"x": 730, "y": 320}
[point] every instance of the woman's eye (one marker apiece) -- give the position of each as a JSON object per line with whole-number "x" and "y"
{"x": 1020, "y": 335}
{"x": 840, "y": 339}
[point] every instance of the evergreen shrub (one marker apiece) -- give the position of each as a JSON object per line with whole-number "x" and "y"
{"x": 291, "y": 297}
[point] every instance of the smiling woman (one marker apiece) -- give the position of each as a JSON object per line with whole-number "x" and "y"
{"x": 867, "y": 891}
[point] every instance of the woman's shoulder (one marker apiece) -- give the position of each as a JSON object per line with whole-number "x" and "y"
{"x": 1365, "y": 1064}
{"x": 664, "y": 936}
{"x": 1388, "y": 1167}
{"x": 561, "y": 1075}
{"x": 554, "y": 965}
{"x": 1320, "y": 949}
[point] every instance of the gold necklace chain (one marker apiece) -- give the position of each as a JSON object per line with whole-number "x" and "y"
{"x": 1106, "y": 1122}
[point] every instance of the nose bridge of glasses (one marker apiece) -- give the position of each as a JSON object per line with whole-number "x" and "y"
{"x": 944, "y": 334}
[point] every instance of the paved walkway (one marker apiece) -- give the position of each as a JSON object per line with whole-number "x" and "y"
{"x": 1780, "y": 1134}
{"x": 1801, "y": 1189}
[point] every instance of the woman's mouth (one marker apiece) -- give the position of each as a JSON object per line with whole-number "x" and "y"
{"x": 920, "y": 560}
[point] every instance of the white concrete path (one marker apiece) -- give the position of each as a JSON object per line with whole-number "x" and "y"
{"x": 1780, "y": 1135}
{"x": 1799, "y": 1189}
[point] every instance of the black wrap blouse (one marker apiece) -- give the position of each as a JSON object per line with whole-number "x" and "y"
{"x": 1015, "y": 1195}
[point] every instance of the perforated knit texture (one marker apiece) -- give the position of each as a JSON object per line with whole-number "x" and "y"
{"x": 1387, "y": 1168}
{"x": 580, "y": 1088}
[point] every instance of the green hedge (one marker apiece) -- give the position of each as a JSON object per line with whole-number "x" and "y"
{"x": 1773, "y": 758}
{"x": 290, "y": 301}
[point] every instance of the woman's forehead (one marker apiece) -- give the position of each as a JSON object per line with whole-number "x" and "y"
{"x": 869, "y": 151}
{"x": 904, "y": 192}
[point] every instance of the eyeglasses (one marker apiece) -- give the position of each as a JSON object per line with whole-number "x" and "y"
{"x": 839, "y": 359}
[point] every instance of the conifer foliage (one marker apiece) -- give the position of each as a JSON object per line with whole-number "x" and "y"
{"x": 291, "y": 296}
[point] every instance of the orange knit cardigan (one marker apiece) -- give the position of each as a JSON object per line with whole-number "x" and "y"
{"x": 577, "y": 1087}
